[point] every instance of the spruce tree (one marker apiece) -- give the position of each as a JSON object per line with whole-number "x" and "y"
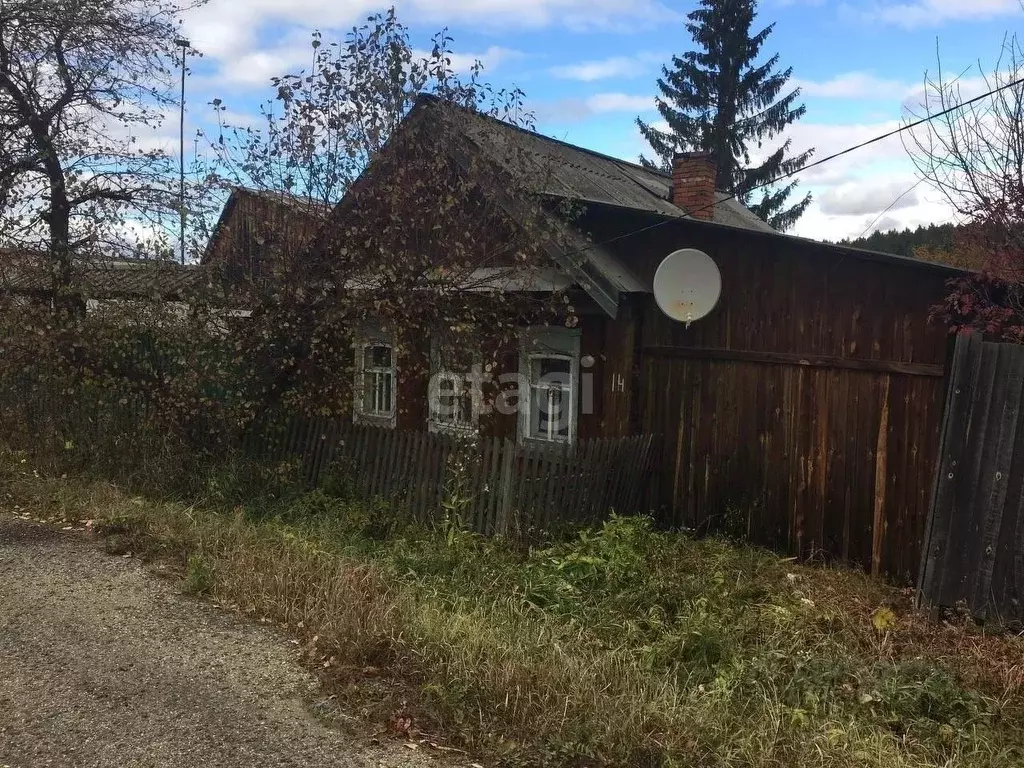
{"x": 718, "y": 99}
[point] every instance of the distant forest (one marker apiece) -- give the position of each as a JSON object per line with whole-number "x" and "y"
{"x": 933, "y": 239}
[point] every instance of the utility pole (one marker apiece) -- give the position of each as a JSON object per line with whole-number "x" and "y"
{"x": 184, "y": 45}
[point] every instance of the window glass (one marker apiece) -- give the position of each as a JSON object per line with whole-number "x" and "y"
{"x": 377, "y": 356}
{"x": 378, "y": 380}
{"x": 551, "y": 400}
{"x": 452, "y": 383}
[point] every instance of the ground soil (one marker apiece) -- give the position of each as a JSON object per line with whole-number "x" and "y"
{"x": 104, "y": 664}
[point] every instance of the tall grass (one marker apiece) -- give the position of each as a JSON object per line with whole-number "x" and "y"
{"x": 621, "y": 646}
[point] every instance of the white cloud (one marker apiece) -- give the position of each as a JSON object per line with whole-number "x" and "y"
{"x": 597, "y": 104}
{"x": 819, "y": 225}
{"x": 491, "y": 59}
{"x": 868, "y": 196}
{"x": 257, "y": 68}
{"x": 573, "y": 14}
{"x": 603, "y": 69}
{"x": 854, "y": 85}
{"x": 933, "y": 12}
{"x": 618, "y": 102}
{"x": 226, "y": 29}
{"x": 827, "y": 139}
{"x": 850, "y": 191}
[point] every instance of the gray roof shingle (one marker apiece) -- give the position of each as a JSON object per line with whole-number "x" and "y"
{"x": 114, "y": 279}
{"x": 566, "y": 171}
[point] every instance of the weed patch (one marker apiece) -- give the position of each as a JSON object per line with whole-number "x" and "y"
{"x": 620, "y": 646}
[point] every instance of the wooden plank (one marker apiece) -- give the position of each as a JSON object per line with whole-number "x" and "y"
{"x": 881, "y": 459}
{"x": 941, "y": 519}
{"x": 592, "y": 511}
{"x": 506, "y": 491}
{"x": 564, "y": 467}
{"x": 399, "y": 486}
{"x": 1010, "y": 380}
{"x": 585, "y": 491}
{"x": 550, "y": 483}
{"x": 391, "y": 468}
{"x": 635, "y": 472}
{"x": 480, "y": 458}
{"x": 497, "y": 485}
{"x": 381, "y": 438}
{"x": 574, "y": 483}
{"x": 488, "y": 485}
{"x": 792, "y": 358}
{"x": 355, "y": 457}
{"x": 517, "y": 513}
{"x": 421, "y": 481}
{"x": 623, "y": 452}
{"x": 1004, "y": 589}
{"x": 532, "y": 456}
{"x": 444, "y": 450}
{"x": 970, "y": 473}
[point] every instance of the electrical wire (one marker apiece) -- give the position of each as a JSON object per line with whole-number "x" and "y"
{"x": 815, "y": 164}
{"x": 888, "y": 208}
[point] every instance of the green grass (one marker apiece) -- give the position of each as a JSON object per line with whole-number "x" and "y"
{"x": 621, "y": 646}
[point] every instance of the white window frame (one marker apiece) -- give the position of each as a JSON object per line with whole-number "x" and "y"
{"x": 558, "y": 344}
{"x": 435, "y": 421}
{"x": 364, "y": 341}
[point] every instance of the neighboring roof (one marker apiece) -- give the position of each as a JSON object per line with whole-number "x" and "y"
{"x": 297, "y": 203}
{"x": 116, "y": 279}
{"x": 314, "y": 212}
{"x": 488, "y": 279}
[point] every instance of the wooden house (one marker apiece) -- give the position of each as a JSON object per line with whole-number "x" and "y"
{"x": 258, "y": 232}
{"x": 802, "y": 413}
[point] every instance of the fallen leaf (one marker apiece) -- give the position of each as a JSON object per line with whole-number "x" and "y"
{"x": 883, "y": 619}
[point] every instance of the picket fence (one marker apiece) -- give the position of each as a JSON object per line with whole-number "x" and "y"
{"x": 496, "y": 486}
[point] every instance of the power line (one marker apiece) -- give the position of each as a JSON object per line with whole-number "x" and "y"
{"x": 816, "y": 163}
{"x": 889, "y": 207}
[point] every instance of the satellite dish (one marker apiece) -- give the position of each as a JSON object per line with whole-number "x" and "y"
{"x": 687, "y": 285}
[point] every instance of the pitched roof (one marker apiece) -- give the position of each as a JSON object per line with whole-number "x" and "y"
{"x": 560, "y": 171}
{"x": 312, "y": 213}
{"x": 115, "y": 279}
{"x": 573, "y": 173}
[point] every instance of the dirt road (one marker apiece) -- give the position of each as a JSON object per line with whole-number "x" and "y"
{"x": 102, "y": 664}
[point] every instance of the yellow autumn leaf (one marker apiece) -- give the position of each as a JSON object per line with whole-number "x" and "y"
{"x": 883, "y": 619}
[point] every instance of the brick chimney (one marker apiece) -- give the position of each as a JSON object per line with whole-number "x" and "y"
{"x": 693, "y": 184}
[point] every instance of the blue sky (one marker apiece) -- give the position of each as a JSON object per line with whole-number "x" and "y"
{"x": 589, "y": 68}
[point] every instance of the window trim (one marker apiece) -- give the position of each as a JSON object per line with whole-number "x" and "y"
{"x": 433, "y": 425}
{"x": 555, "y": 343}
{"x": 364, "y": 341}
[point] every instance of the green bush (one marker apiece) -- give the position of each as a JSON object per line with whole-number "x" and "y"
{"x": 198, "y": 576}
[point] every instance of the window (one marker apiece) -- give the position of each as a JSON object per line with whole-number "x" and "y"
{"x": 549, "y": 367}
{"x": 375, "y": 379}
{"x": 454, "y": 390}
{"x": 551, "y": 401}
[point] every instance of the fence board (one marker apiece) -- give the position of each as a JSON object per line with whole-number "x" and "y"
{"x": 973, "y": 543}
{"x": 511, "y": 488}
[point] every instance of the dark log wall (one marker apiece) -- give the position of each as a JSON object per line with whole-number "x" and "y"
{"x": 804, "y": 411}
{"x": 258, "y": 236}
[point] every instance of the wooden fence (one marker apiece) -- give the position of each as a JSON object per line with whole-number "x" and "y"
{"x": 495, "y": 485}
{"x": 974, "y": 539}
